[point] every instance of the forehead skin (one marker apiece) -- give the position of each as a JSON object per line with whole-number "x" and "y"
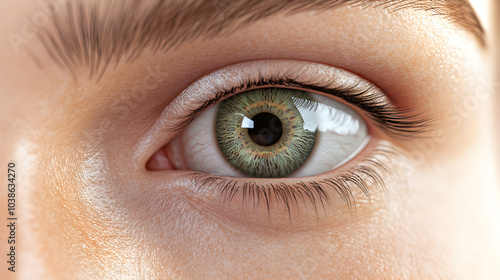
{"x": 65, "y": 213}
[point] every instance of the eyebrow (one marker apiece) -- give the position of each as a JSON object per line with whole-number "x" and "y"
{"x": 96, "y": 35}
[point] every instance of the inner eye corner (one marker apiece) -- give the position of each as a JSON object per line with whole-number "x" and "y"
{"x": 158, "y": 161}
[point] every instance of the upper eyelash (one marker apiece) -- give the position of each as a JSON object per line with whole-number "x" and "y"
{"x": 366, "y": 176}
{"x": 396, "y": 121}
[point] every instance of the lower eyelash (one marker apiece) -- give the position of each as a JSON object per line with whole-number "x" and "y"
{"x": 367, "y": 176}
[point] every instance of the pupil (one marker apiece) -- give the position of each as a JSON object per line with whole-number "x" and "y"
{"x": 267, "y": 129}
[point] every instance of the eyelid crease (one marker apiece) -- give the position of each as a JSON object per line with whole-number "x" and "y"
{"x": 396, "y": 121}
{"x": 368, "y": 176}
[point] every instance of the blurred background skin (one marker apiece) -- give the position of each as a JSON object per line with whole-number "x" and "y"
{"x": 8, "y": 133}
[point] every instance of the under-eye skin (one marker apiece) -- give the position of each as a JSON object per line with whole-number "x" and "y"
{"x": 233, "y": 159}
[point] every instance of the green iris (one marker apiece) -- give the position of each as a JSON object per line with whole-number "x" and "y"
{"x": 261, "y": 132}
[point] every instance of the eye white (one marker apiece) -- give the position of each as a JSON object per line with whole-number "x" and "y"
{"x": 342, "y": 134}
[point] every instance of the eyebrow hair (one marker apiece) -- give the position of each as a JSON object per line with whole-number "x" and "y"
{"x": 96, "y": 35}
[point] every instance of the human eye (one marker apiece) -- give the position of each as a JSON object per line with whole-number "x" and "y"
{"x": 271, "y": 133}
{"x": 285, "y": 135}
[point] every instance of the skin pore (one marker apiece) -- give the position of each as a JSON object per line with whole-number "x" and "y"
{"x": 89, "y": 208}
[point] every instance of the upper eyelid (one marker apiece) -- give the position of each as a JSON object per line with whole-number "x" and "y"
{"x": 401, "y": 122}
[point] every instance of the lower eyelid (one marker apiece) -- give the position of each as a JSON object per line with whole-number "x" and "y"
{"x": 297, "y": 201}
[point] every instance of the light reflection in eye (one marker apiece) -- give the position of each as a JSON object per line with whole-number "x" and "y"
{"x": 327, "y": 118}
{"x": 246, "y": 122}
